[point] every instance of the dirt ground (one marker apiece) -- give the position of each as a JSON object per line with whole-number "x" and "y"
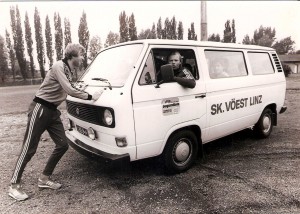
{"x": 240, "y": 174}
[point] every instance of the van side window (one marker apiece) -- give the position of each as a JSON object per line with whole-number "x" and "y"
{"x": 223, "y": 64}
{"x": 159, "y": 57}
{"x": 188, "y": 60}
{"x": 260, "y": 63}
{"x": 148, "y": 75}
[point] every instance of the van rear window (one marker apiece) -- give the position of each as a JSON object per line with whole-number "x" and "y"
{"x": 260, "y": 63}
{"x": 223, "y": 64}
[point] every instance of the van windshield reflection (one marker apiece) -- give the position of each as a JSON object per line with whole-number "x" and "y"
{"x": 113, "y": 65}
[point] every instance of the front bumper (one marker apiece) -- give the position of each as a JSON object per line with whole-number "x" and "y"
{"x": 89, "y": 151}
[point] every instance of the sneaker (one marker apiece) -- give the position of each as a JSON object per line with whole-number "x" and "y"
{"x": 15, "y": 191}
{"x": 48, "y": 184}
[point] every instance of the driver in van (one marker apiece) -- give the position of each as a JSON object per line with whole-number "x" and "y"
{"x": 182, "y": 75}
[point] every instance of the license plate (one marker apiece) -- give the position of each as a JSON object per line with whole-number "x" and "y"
{"x": 82, "y": 130}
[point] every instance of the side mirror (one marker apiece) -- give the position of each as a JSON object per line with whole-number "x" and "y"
{"x": 167, "y": 74}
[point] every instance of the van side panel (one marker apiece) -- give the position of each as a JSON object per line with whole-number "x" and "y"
{"x": 231, "y": 109}
{"x": 235, "y": 103}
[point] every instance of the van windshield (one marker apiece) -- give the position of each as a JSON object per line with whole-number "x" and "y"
{"x": 113, "y": 65}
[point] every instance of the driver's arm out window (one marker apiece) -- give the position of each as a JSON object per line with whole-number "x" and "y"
{"x": 148, "y": 74}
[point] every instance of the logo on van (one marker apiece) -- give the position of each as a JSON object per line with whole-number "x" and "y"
{"x": 170, "y": 106}
{"x": 77, "y": 111}
{"x": 234, "y": 104}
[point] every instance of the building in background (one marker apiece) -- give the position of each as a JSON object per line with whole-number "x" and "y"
{"x": 292, "y": 60}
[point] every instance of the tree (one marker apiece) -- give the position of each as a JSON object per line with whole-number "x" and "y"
{"x": 153, "y": 32}
{"x": 159, "y": 29}
{"x": 68, "y": 37}
{"x": 214, "y": 37}
{"x": 29, "y": 42}
{"x": 84, "y": 36}
{"x": 146, "y": 34}
{"x": 58, "y": 36}
{"x": 191, "y": 33}
{"x": 3, "y": 60}
{"x": 18, "y": 39}
{"x": 48, "y": 35}
{"x": 227, "y": 32}
{"x": 173, "y": 32}
{"x": 112, "y": 39}
{"x": 167, "y": 29}
{"x": 264, "y": 36}
{"x": 124, "y": 31}
{"x": 233, "y": 37}
{"x": 286, "y": 69}
{"x": 132, "y": 28}
{"x": 180, "y": 31}
{"x": 95, "y": 47}
{"x": 39, "y": 42}
{"x": 12, "y": 56}
{"x": 284, "y": 46}
{"x": 247, "y": 40}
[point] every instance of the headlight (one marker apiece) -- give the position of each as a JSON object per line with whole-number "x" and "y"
{"x": 91, "y": 133}
{"x": 107, "y": 117}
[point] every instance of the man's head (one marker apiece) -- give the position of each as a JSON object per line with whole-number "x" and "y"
{"x": 74, "y": 54}
{"x": 218, "y": 66}
{"x": 175, "y": 60}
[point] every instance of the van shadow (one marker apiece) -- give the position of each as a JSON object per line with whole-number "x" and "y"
{"x": 223, "y": 146}
{"x": 214, "y": 150}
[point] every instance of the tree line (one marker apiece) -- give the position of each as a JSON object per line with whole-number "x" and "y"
{"x": 12, "y": 47}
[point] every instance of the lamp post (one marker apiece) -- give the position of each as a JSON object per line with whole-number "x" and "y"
{"x": 203, "y": 21}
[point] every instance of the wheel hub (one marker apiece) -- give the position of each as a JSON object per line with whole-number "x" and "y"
{"x": 266, "y": 123}
{"x": 182, "y": 151}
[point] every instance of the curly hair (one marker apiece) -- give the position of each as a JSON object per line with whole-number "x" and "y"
{"x": 73, "y": 50}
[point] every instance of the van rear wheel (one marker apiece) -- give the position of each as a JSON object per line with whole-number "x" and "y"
{"x": 180, "y": 151}
{"x": 264, "y": 126}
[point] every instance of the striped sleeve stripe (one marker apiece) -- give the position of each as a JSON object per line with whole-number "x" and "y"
{"x": 26, "y": 145}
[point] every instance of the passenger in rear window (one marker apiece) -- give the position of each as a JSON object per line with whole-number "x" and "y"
{"x": 217, "y": 70}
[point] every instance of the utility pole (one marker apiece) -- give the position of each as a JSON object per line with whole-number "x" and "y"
{"x": 203, "y": 21}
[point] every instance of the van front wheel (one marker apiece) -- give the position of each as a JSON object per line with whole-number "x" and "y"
{"x": 264, "y": 126}
{"x": 180, "y": 151}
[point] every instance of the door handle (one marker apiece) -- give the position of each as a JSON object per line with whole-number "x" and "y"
{"x": 200, "y": 95}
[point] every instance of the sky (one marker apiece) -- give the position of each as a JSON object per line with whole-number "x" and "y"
{"x": 103, "y": 16}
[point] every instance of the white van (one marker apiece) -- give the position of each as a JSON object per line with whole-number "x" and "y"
{"x": 143, "y": 114}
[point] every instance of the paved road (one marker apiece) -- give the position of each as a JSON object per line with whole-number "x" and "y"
{"x": 16, "y": 99}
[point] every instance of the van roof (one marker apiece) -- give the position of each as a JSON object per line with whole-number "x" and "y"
{"x": 194, "y": 43}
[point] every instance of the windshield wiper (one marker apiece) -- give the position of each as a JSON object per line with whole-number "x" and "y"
{"x": 103, "y": 80}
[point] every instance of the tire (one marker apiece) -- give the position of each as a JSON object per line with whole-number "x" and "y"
{"x": 180, "y": 152}
{"x": 264, "y": 126}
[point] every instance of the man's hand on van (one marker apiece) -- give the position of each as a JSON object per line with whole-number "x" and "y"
{"x": 96, "y": 95}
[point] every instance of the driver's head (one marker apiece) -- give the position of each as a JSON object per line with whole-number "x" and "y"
{"x": 175, "y": 60}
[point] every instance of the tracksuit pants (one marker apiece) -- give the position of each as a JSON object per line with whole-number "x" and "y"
{"x": 41, "y": 118}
